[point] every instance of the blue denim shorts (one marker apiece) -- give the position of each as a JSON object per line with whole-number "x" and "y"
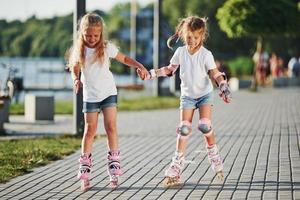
{"x": 110, "y": 101}
{"x": 190, "y": 103}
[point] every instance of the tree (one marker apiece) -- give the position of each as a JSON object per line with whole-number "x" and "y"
{"x": 259, "y": 19}
{"x": 218, "y": 42}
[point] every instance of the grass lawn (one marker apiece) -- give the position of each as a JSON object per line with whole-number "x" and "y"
{"x": 18, "y": 157}
{"x": 142, "y": 103}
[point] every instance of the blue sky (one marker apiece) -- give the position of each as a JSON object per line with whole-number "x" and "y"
{"x": 22, "y": 9}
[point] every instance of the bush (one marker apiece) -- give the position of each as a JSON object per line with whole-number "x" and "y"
{"x": 241, "y": 66}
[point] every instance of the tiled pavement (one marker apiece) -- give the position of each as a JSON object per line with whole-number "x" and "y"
{"x": 257, "y": 134}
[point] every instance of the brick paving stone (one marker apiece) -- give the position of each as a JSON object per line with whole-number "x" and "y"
{"x": 257, "y": 134}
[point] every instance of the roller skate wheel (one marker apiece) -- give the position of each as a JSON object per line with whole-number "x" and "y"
{"x": 171, "y": 181}
{"x": 85, "y": 185}
{"x": 220, "y": 176}
{"x": 113, "y": 182}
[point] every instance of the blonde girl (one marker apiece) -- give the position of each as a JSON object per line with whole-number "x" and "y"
{"x": 197, "y": 68}
{"x": 91, "y": 56}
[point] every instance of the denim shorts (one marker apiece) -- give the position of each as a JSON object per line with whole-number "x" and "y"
{"x": 190, "y": 103}
{"x": 110, "y": 101}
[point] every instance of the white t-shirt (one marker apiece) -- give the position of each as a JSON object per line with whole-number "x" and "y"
{"x": 195, "y": 81}
{"x": 98, "y": 81}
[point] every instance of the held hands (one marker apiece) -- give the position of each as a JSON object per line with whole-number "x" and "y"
{"x": 150, "y": 75}
{"x": 77, "y": 85}
{"x": 143, "y": 73}
{"x": 225, "y": 93}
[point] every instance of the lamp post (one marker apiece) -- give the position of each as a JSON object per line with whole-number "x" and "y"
{"x": 156, "y": 44}
{"x": 78, "y": 119}
{"x": 133, "y": 14}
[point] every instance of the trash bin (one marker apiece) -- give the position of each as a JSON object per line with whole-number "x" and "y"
{"x": 4, "y": 108}
{"x": 39, "y": 107}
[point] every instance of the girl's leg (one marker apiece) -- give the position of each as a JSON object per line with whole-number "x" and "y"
{"x": 113, "y": 156}
{"x": 173, "y": 173}
{"x": 205, "y": 113}
{"x": 185, "y": 115}
{"x": 110, "y": 125}
{"x": 90, "y": 128}
{"x": 209, "y": 136}
{"x": 85, "y": 160}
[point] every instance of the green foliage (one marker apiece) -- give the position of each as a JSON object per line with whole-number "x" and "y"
{"x": 40, "y": 38}
{"x": 218, "y": 42}
{"x": 241, "y": 66}
{"x": 236, "y": 18}
{"x": 259, "y": 18}
{"x": 174, "y": 13}
{"x": 119, "y": 19}
{"x": 18, "y": 157}
{"x": 118, "y": 68}
{"x": 232, "y": 15}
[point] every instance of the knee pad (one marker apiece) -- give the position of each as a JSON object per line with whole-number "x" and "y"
{"x": 205, "y": 126}
{"x": 184, "y": 129}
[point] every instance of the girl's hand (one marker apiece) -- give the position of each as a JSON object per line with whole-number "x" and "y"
{"x": 225, "y": 93}
{"x": 77, "y": 85}
{"x": 143, "y": 73}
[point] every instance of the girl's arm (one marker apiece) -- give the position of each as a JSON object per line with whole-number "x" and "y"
{"x": 217, "y": 76}
{"x": 163, "y": 71}
{"x": 143, "y": 72}
{"x": 221, "y": 80}
{"x": 75, "y": 76}
{"x": 75, "y": 72}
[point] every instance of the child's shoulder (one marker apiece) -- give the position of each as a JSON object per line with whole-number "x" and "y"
{"x": 110, "y": 44}
{"x": 205, "y": 51}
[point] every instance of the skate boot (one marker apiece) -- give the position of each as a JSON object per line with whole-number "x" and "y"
{"x": 113, "y": 167}
{"x": 84, "y": 172}
{"x": 216, "y": 162}
{"x": 173, "y": 173}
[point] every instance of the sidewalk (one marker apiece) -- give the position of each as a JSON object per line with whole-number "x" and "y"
{"x": 257, "y": 134}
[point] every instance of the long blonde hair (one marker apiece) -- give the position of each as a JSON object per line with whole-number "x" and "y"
{"x": 77, "y": 51}
{"x": 191, "y": 23}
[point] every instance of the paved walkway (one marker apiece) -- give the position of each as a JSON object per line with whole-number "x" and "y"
{"x": 258, "y": 135}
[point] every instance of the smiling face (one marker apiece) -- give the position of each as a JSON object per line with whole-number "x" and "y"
{"x": 91, "y": 36}
{"x": 193, "y": 39}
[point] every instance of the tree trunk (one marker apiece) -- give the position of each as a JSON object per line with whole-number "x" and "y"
{"x": 254, "y": 77}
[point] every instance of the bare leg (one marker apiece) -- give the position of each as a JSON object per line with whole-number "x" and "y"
{"x": 113, "y": 157}
{"x": 211, "y": 147}
{"x": 205, "y": 112}
{"x": 185, "y": 115}
{"x": 173, "y": 173}
{"x": 85, "y": 160}
{"x": 110, "y": 125}
{"x": 90, "y": 128}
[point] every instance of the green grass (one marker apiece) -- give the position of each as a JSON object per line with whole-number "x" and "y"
{"x": 16, "y": 109}
{"x": 18, "y": 157}
{"x": 148, "y": 103}
{"x": 142, "y": 103}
